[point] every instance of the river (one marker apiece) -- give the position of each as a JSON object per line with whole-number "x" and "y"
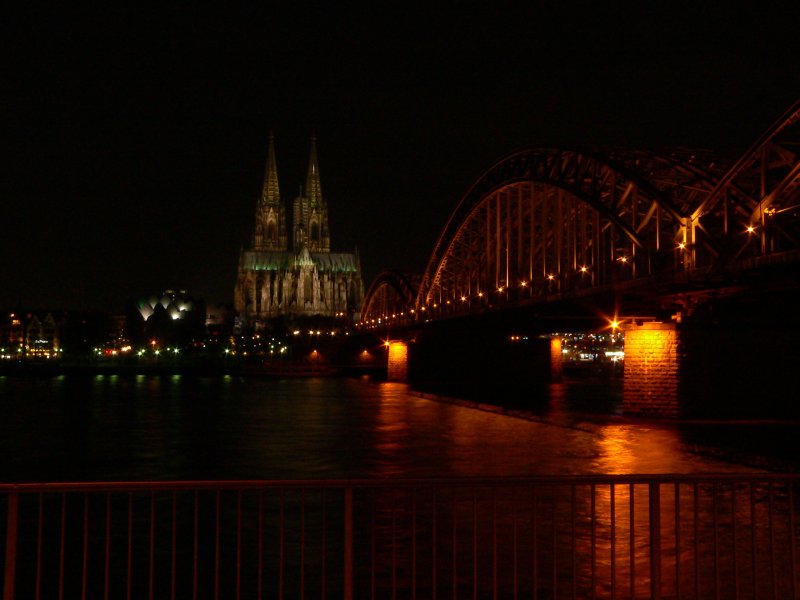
{"x": 148, "y": 427}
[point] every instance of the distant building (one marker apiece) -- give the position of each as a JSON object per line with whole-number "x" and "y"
{"x": 170, "y": 317}
{"x": 84, "y": 331}
{"x": 42, "y": 336}
{"x": 26, "y": 334}
{"x": 288, "y": 270}
{"x": 12, "y": 335}
{"x": 219, "y": 319}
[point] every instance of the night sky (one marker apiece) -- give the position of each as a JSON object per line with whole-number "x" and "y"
{"x": 135, "y": 140}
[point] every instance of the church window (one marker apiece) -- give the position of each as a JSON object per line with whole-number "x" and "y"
{"x": 271, "y": 231}
{"x": 314, "y": 232}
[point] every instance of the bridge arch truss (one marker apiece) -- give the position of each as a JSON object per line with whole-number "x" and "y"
{"x": 544, "y": 222}
{"x": 547, "y": 220}
{"x": 390, "y": 297}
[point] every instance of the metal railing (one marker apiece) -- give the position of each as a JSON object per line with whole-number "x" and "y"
{"x": 705, "y": 536}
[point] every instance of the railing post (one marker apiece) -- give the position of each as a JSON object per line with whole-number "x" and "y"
{"x": 655, "y": 540}
{"x": 11, "y": 545}
{"x": 348, "y": 543}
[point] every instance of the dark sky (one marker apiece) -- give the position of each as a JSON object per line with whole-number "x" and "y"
{"x": 135, "y": 140}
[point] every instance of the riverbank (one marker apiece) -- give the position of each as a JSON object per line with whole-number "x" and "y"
{"x": 55, "y": 368}
{"x": 195, "y": 365}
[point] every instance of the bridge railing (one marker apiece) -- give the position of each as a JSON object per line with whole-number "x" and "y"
{"x": 729, "y": 536}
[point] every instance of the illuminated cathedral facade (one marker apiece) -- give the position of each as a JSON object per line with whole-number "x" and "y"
{"x": 288, "y": 270}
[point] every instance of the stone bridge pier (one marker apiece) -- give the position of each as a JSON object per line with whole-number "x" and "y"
{"x": 710, "y": 371}
{"x": 397, "y": 360}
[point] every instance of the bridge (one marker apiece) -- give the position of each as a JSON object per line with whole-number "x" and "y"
{"x": 660, "y": 244}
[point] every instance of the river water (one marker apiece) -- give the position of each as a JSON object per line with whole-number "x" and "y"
{"x": 146, "y": 427}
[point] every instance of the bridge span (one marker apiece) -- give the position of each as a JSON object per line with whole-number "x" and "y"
{"x": 689, "y": 253}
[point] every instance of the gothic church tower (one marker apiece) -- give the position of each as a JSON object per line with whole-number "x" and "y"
{"x": 310, "y": 211}
{"x": 270, "y": 229}
{"x": 296, "y": 275}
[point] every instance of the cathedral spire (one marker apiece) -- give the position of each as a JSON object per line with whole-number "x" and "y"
{"x": 313, "y": 187}
{"x": 270, "y": 192}
{"x": 270, "y": 230}
{"x": 310, "y": 210}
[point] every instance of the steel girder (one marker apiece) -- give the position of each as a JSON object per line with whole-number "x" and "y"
{"x": 753, "y": 208}
{"x": 569, "y": 206}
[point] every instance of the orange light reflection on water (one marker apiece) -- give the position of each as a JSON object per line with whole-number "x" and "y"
{"x": 415, "y": 436}
{"x": 624, "y": 448}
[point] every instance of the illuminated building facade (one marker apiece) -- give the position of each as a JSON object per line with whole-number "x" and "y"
{"x": 171, "y": 317}
{"x": 289, "y": 270}
{"x": 29, "y": 335}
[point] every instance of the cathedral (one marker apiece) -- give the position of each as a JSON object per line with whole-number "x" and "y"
{"x": 288, "y": 270}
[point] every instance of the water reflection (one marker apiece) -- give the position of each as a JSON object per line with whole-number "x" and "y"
{"x": 182, "y": 427}
{"x": 640, "y": 449}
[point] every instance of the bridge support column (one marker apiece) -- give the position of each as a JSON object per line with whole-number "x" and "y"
{"x": 650, "y": 385}
{"x": 398, "y": 361}
{"x": 556, "y": 360}
{"x": 709, "y": 371}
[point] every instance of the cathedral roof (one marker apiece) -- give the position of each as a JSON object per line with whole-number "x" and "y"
{"x": 345, "y": 262}
{"x": 331, "y": 262}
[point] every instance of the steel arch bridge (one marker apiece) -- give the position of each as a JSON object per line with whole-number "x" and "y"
{"x": 390, "y": 296}
{"x": 543, "y": 222}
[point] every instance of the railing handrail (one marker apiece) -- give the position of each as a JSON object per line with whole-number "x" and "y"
{"x": 183, "y": 485}
{"x": 639, "y": 531}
